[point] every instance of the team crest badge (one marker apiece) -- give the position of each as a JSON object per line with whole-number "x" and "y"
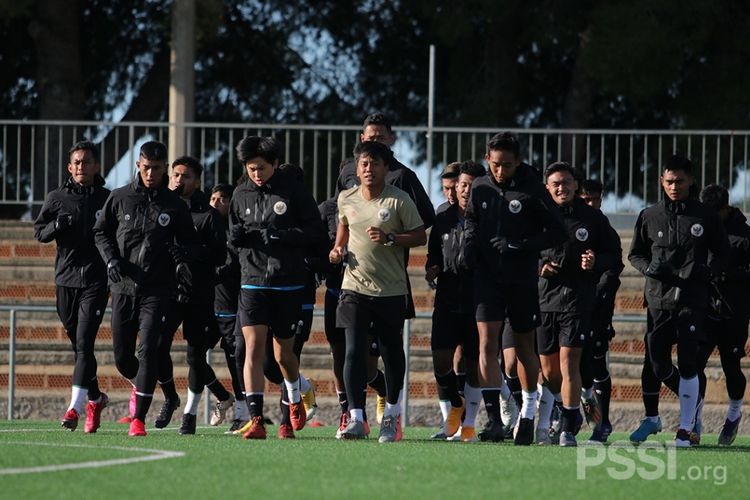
{"x": 164, "y": 219}
{"x": 279, "y": 207}
{"x": 127, "y": 216}
{"x": 247, "y": 211}
{"x": 384, "y": 214}
{"x": 484, "y": 205}
{"x": 582, "y": 234}
{"x": 445, "y": 237}
{"x": 660, "y": 234}
{"x": 515, "y": 206}
{"x": 696, "y": 230}
{"x": 98, "y": 214}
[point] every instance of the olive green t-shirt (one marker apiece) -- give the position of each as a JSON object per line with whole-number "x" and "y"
{"x": 376, "y": 269}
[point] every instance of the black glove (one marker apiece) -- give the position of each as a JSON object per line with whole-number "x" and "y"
{"x": 115, "y": 270}
{"x": 503, "y": 246}
{"x": 184, "y": 278}
{"x": 237, "y": 235}
{"x": 270, "y": 235}
{"x": 658, "y": 270}
{"x": 179, "y": 253}
{"x": 63, "y": 222}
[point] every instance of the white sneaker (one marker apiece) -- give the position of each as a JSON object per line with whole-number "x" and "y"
{"x": 542, "y": 437}
{"x": 220, "y": 411}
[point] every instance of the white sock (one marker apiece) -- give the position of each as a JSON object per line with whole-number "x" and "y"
{"x": 529, "y": 403}
{"x": 193, "y": 401}
{"x": 699, "y": 409}
{"x": 240, "y": 410}
{"x": 293, "y": 389}
{"x": 78, "y": 398}
{"x": 304, "y": 384}
{"x": 688, "y": 400}
{"x": 473, "y": 398}
{"x": 392, "y": 410}
{"x": 735, "y": 409}
{"x": 357, "y": 414}
{"x": 445, "y": 407}
{"x": 546, "y": 403}
{"x": 587, "y": 393}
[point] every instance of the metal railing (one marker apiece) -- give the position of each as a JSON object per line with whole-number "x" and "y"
{"x": 33, "y": 154}
{"x": 14, "y": 309}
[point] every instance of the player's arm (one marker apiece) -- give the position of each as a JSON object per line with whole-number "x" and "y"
{"x": 105, "y": 231}
{"x": 640, "y": 247}
{"x": 336, "y": 254}
{"x": 44, "y": 225}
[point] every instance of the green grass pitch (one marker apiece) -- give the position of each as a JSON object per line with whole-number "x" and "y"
{"x": 40, "y": 460}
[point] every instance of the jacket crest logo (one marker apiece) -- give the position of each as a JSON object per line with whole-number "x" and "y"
{"x": 163, "y": 219}
{"x": 384, "y": 214}
{"x": 279, "y": 207}
{"x": 515, "y": 206}
{"x": 696, "y": 230}
{"x": 582, "y": 234}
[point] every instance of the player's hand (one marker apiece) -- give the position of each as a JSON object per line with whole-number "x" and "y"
{"x": 237, "y": 235}
{"x": 63, "y": 222}
{"x": 503, "y": 245}
{"x": 431, "y": 273}
{"x": 336, "y": 255}
{"x": 588, "y": 260}
{"x": 115, "y": 270}
{"x": 269, "y": 235}
{"x": 549, "y": 269}
{"x": 377, "y": 235}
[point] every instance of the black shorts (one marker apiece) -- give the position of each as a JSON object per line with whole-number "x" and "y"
{"x": 374, "y": 315}
{"x": 277, "y": 309}
{"x": 562, "y": 329}
{"x": 334, "y": 335}
{"x": 223, "y": 328}
{"x": 506, "y": 337}
{"x": 304, "y": 325}
{"x": 196, "y": 324}
{"x": 729, "y": 335}
{"x": 451, "y": 329}
{"x": 670, "y": 326}
{"x": 518, "y": 303}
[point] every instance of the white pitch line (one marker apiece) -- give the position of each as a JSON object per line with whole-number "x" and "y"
{"x": 153, "y": 455}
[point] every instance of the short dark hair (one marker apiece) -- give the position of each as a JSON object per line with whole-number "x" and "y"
{"x": 679, "y": 162}
{"x": 225, "y": 189}
{"x": 292, "y": 171}
{"x": 560, "y": 166}
{"x": 592, "y": 186}
{"x": 472, "y": 168}
{"x": 374, "y": 150}
{"x": 715, "y": 197}
{"x": 191, "y": 163}
{"x": 154, "y": 151}
{"x": 85, "y": 146}
{"x": 451, "y": 170}
{"x": 505, "y": 141}
{"x": 377, "y": 118}
{"x": 254, "y": 146}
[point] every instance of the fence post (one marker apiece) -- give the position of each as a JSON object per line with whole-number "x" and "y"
{"x": 12, "y": 364}
{"x": 407, "y": 351}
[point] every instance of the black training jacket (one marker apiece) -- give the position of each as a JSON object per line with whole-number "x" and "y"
{"x": 329, "y": 214}
{"x": 573, "y": 289}
{"x": 606, "y": 288}
{"x": 227, "y": 288}
{"x": 211, "y": 252}
{"x": 77, "y": 263}
{"x": 521, "y": 211}
{"x": 138, "y": 225}
{"x": 398, "y": 175}
{"x": 454, "y": 291}
{"x": 734, "y": 282}
{"x": 283, "y": 204}
{"x": 679, "y": 235}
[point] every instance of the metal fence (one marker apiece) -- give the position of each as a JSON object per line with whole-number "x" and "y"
{"x": 33, "y": 154}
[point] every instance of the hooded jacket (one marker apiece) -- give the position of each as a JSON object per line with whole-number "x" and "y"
{"x": 138, "y": 226}
{"x": 520, "y": 211}
{"x": 283, "y": 205}
{"x": 77, "y": 263}
{"x": 573, "y": 289}
{"x": 211, "y": 252}
{"x": 678, "y": 236}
